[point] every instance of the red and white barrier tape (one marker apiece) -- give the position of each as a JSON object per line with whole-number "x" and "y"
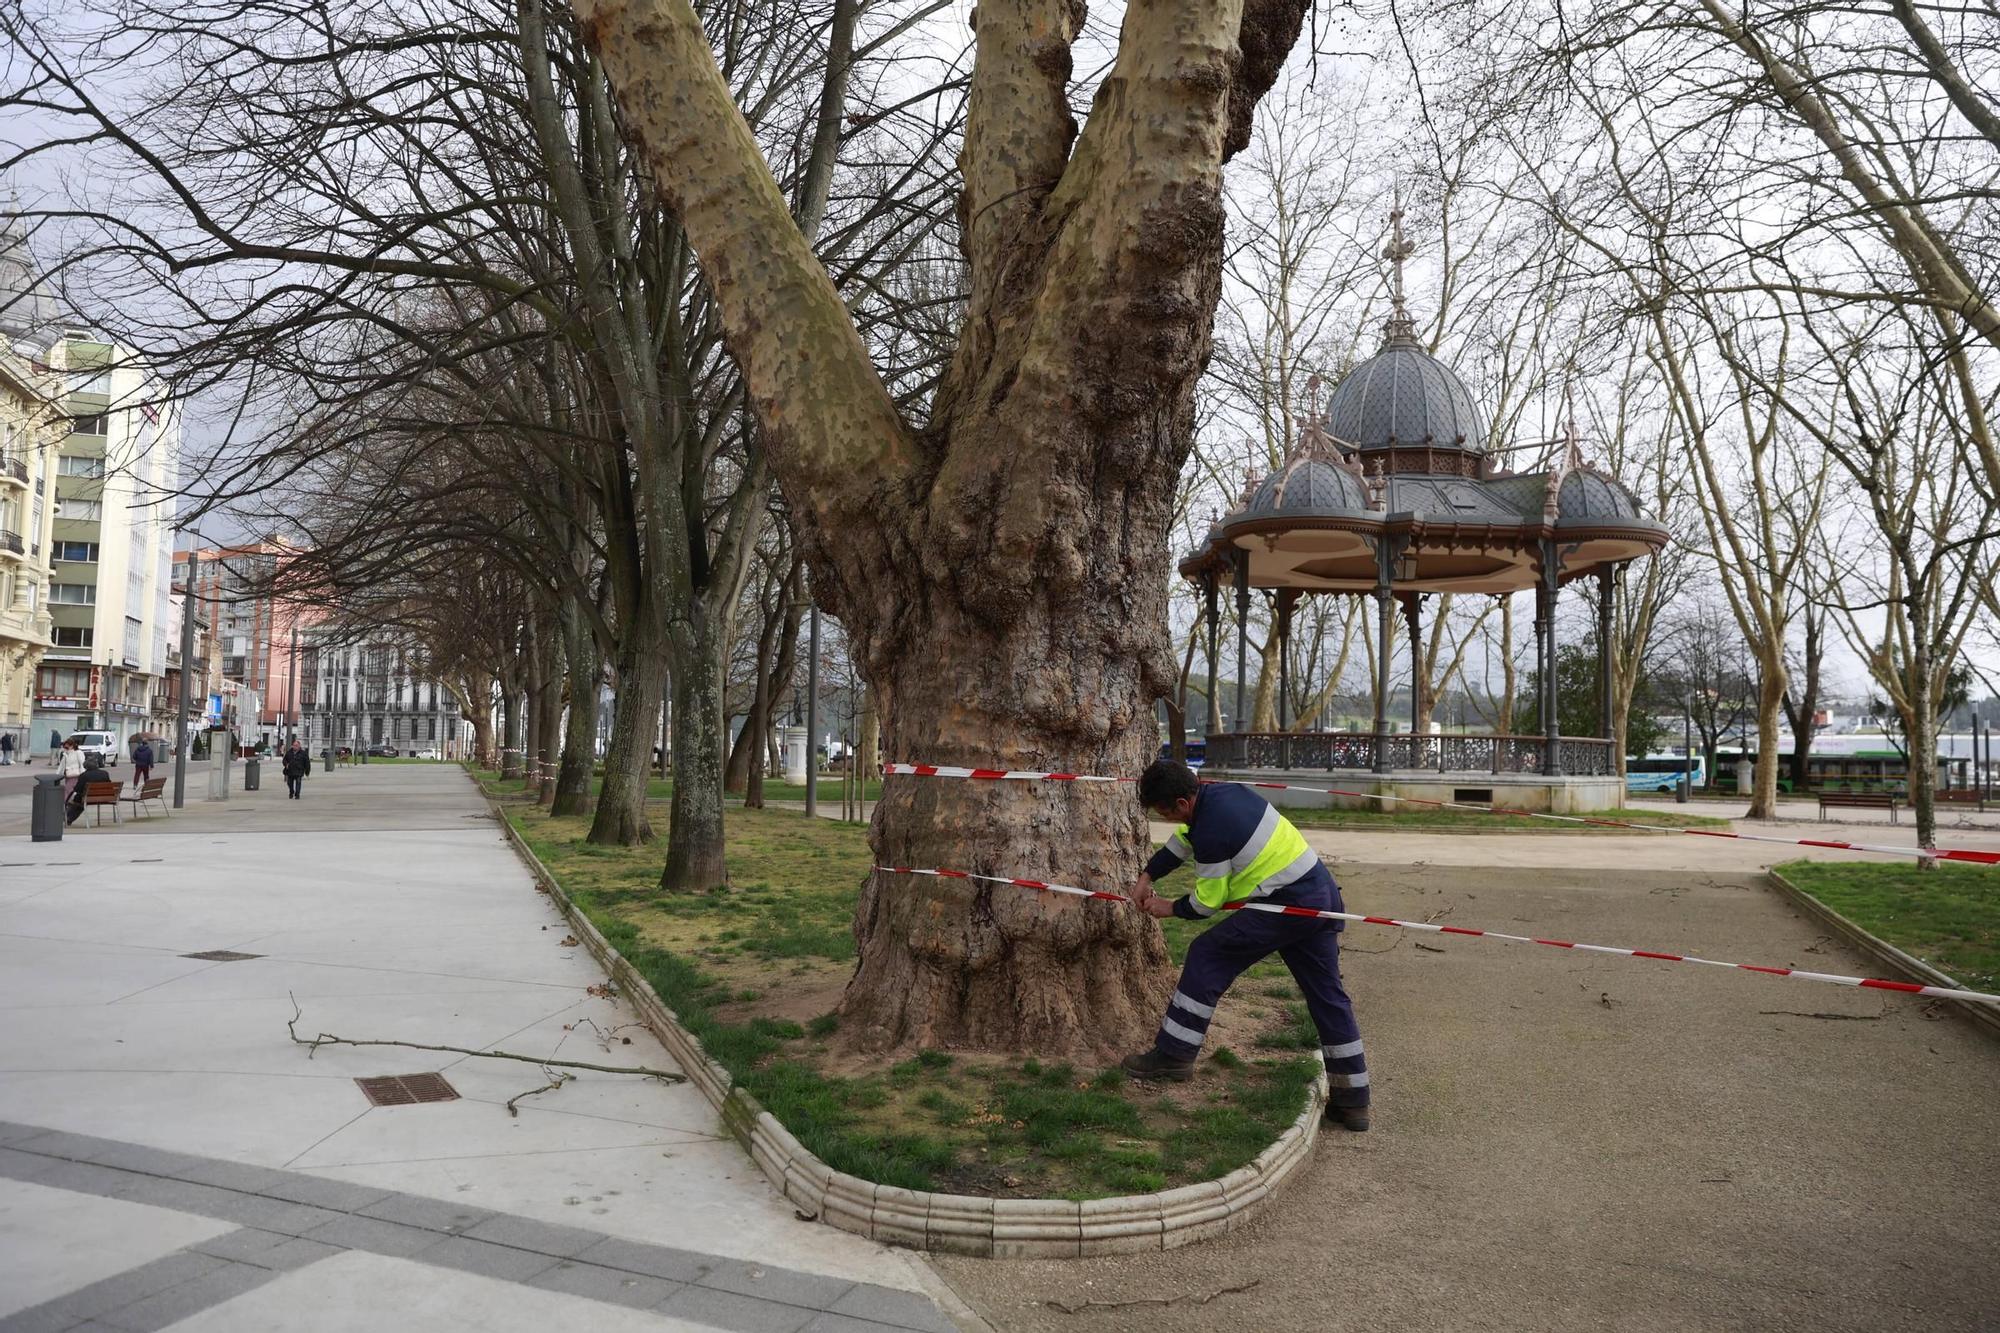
{"x": 1941, "y": 853}
{"x": 1280, "y": 909}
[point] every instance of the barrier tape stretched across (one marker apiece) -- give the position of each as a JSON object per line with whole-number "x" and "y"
{"x": 1870, "y": 983}
{"x": 1025, "y": 775}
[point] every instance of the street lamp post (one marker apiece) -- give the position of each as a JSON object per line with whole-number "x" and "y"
{"x": 1687, "y": 749}
{"x": 187, "y": 671}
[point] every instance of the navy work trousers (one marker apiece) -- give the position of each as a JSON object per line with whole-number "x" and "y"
{"x": 1310, "y": 948}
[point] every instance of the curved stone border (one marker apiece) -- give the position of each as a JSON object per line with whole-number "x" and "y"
{"x": 1912, "y": 968}
{"x": 942, "y": 1223}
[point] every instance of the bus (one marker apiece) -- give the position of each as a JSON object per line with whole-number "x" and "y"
{"x": 1662, "y": 772}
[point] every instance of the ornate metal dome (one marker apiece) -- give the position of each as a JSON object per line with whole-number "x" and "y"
{"x": 1306, "y": 486}
{"x": 1588, "y": 496}
{"x": 1403, "y": 397}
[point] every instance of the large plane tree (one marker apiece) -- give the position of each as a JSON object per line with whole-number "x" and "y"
{"x": 1001, "y": 566}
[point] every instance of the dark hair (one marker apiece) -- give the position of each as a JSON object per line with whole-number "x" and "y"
{"x": 1165, "y": 782}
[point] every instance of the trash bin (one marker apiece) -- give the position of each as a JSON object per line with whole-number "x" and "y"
{"x": 46, "y": 821}
{"x": 250, "y": 772}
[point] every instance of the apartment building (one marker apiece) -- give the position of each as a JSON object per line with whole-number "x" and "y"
{"x": 256, "y": 632}
{"x": 110, "y": 546}
{"x": 31, "y": 429}
{"x": 372, "y": 695}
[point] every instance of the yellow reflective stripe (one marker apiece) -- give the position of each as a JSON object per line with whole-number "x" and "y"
{"x": 1286, "y": 846}
{"x": 1212, "y": 891}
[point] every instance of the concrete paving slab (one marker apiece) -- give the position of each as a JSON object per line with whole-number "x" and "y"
{"x": 54, "y": 1241}
{"x": 374, "y": 1292}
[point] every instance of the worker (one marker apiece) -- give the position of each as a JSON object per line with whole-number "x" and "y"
{"x": 1245, "y": 851}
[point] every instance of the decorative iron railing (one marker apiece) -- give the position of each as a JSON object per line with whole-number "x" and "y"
{"x": 1449, "y": 752}
{"x": 11, "y": 541}
{"x": 17, "y": 468}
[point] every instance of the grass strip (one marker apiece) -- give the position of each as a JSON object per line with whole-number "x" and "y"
{"x": 1948, "y": 917}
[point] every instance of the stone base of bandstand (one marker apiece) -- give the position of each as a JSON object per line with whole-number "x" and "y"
{"x": 1521, "y": 791}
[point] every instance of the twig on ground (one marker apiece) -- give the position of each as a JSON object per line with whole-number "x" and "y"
{"x": 1427, "y": 948}
{"x": 556, "y": 1079}
{"x": 1348, "y": 948}
{"x": 1836, "y": 1018}
{"x": 329, "y": 1039}
{"x": 1081, "y": 1306}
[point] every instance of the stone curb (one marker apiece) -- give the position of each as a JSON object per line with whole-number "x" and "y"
{"x": 1911, "y": 968}
{"x": 942, "y": 1223}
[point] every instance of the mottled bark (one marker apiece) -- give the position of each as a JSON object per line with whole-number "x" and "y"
{"x": 1002, "y": 572}
{"x": 695, "y": 854}
{"x": 579, "y": 749}
{"x": 621, "y": 802}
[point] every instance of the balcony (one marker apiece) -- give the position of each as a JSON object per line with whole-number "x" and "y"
{"x": 14, "y": 468}
{"x": 11, "y": 544}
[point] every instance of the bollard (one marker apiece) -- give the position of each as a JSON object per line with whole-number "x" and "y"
{"x": 46, "y": 822}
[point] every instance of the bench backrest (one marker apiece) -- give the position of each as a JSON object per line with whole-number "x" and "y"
{"x": 1858, "y": 798}
{"x": 149, "y": 789}
{"x": 102, "y": 793}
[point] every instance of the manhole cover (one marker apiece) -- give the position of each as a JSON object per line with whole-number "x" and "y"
{"x": 222, "y": 956}
{"x": 407, "y": 1089}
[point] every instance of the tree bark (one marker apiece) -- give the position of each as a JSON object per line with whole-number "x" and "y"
{"x": 579, "y": 751}
{"x": 621, "y": 820}
{"x": 510, "y": 728}
{"x": 695, "y": 854}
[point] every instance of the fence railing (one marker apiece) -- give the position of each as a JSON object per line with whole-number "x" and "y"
{"x": 15, "y": 467}
{"x": 11, "y": 541}
{"x": 1450, "y": 752}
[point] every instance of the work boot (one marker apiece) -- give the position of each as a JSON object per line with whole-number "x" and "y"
{"x": 1156, "y": 1066}
{"x": 1348, "y": 1117}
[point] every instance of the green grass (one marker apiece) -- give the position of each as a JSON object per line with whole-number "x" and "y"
{"x": 662, "y": 789}
{"x": 1420, "y": 819}
{"x": 754, "y": 972}
{"x": 1949, "y": 917}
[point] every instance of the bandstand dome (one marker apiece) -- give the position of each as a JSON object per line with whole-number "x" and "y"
{"x": 1404, "y": 396}
{"x": 1306, "y": 486}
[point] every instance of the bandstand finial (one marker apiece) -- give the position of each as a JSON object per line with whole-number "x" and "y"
{"x": 1397, "y": 250}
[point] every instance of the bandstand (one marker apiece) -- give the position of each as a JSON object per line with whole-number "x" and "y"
{"x": 1394, "y": 493}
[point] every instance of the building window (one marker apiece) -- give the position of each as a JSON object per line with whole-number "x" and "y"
{"x": 88, "y": 425}
{"x": 71, "y": 636}
{"x": 88, "y": 510}
{"x": 73, "y": 594}
{"x": 74, "y": 466}
{"x": 76, "y": 552}
{"x": 434, "y": 729}
{"x": 375, "y": 729}
{"x": 89, "y": 379}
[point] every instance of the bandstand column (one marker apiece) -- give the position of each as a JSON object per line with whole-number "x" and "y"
{"x": 1287, "y": 598}
{"x": 1606, "y": 577}
{"x": 1545, "y": 651}
{"x": 1242, "y": 635}
{"x": 1209, "y": 583}
{"x": 1413, "y": 616}
{"x": 1385, "y": 567}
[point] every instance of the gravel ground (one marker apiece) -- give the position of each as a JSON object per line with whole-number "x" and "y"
{"x": 1568, "y": 1142}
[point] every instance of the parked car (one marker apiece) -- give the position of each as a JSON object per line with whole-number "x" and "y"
{"x": 383, "y": 752}
{"x": 429, "y": 752}
{"x": 103, "y": 744}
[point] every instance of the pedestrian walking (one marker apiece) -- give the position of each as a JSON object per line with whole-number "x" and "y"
{"x": 1243, "y": 849}
{"x": 297, "y": 764}
{"x": 69, "y": 766}
{"x": 142, "y": 762}
{"x": 6, "y": 747}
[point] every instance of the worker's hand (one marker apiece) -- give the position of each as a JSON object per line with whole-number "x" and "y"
{"x": 1158, "y": 906}
{"x": 1142, "y": 890}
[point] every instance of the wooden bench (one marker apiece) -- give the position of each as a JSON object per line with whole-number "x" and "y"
{"x": 1971, "y": 796}
{"x": 1857, "y": 800}
{"x": 101, "y": 794}
{"x": 153, "y": 789}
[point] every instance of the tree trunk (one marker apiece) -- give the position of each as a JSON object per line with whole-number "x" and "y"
{"x": 579, "y": 752}
{"x": 1000, "y": 569}
{"x": 1801, "y": 717}
{"x": 1920, "y": 726}
{"x": 867, "y": 756}
{"x": 621, "y": 802}
{"x": 695, "y": 851}
{"x": 549, "y": 738}
{"x": 1770, "y": 711}
{"x": 510, "y": 730}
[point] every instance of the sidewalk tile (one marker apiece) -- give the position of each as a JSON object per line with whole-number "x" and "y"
{"x": 430, "y": 1214}
{"x": 486, "y": 1259}
{"x": 886, "y": 1305}
{"x": 739, "y": 1314}
{"x": 187, "y": 1298}
{"x": 542, "y": 1237}
{"x": 606, "y": 1284}
{"x": 241, "y": 1244}
{"x": 777, "y": 1284}
{"x": 339, "y": 1195}
{"x": 374, "y": 1235}
{"x": 652, "y": 1260}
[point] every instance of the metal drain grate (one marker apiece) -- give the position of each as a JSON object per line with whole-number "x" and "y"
{"x": 222, "y": 956}
{"x": 407, "y": 1089}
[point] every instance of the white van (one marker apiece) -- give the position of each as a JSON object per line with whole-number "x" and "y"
{"x": 102, "y": 743}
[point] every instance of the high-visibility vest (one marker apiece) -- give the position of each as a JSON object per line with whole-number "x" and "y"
{"x": 1242, "y": 848}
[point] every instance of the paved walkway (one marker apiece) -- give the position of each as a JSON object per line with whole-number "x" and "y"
{"x": 195, "y": 1137}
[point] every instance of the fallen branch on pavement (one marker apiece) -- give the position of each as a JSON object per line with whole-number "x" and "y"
{"x": 1081, "y": 1306}
{"x": 329, "y": 1039}
{"x": 556, "y": 1079}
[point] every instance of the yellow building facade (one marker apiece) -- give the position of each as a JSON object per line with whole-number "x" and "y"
{"x": 32, "y": 427}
